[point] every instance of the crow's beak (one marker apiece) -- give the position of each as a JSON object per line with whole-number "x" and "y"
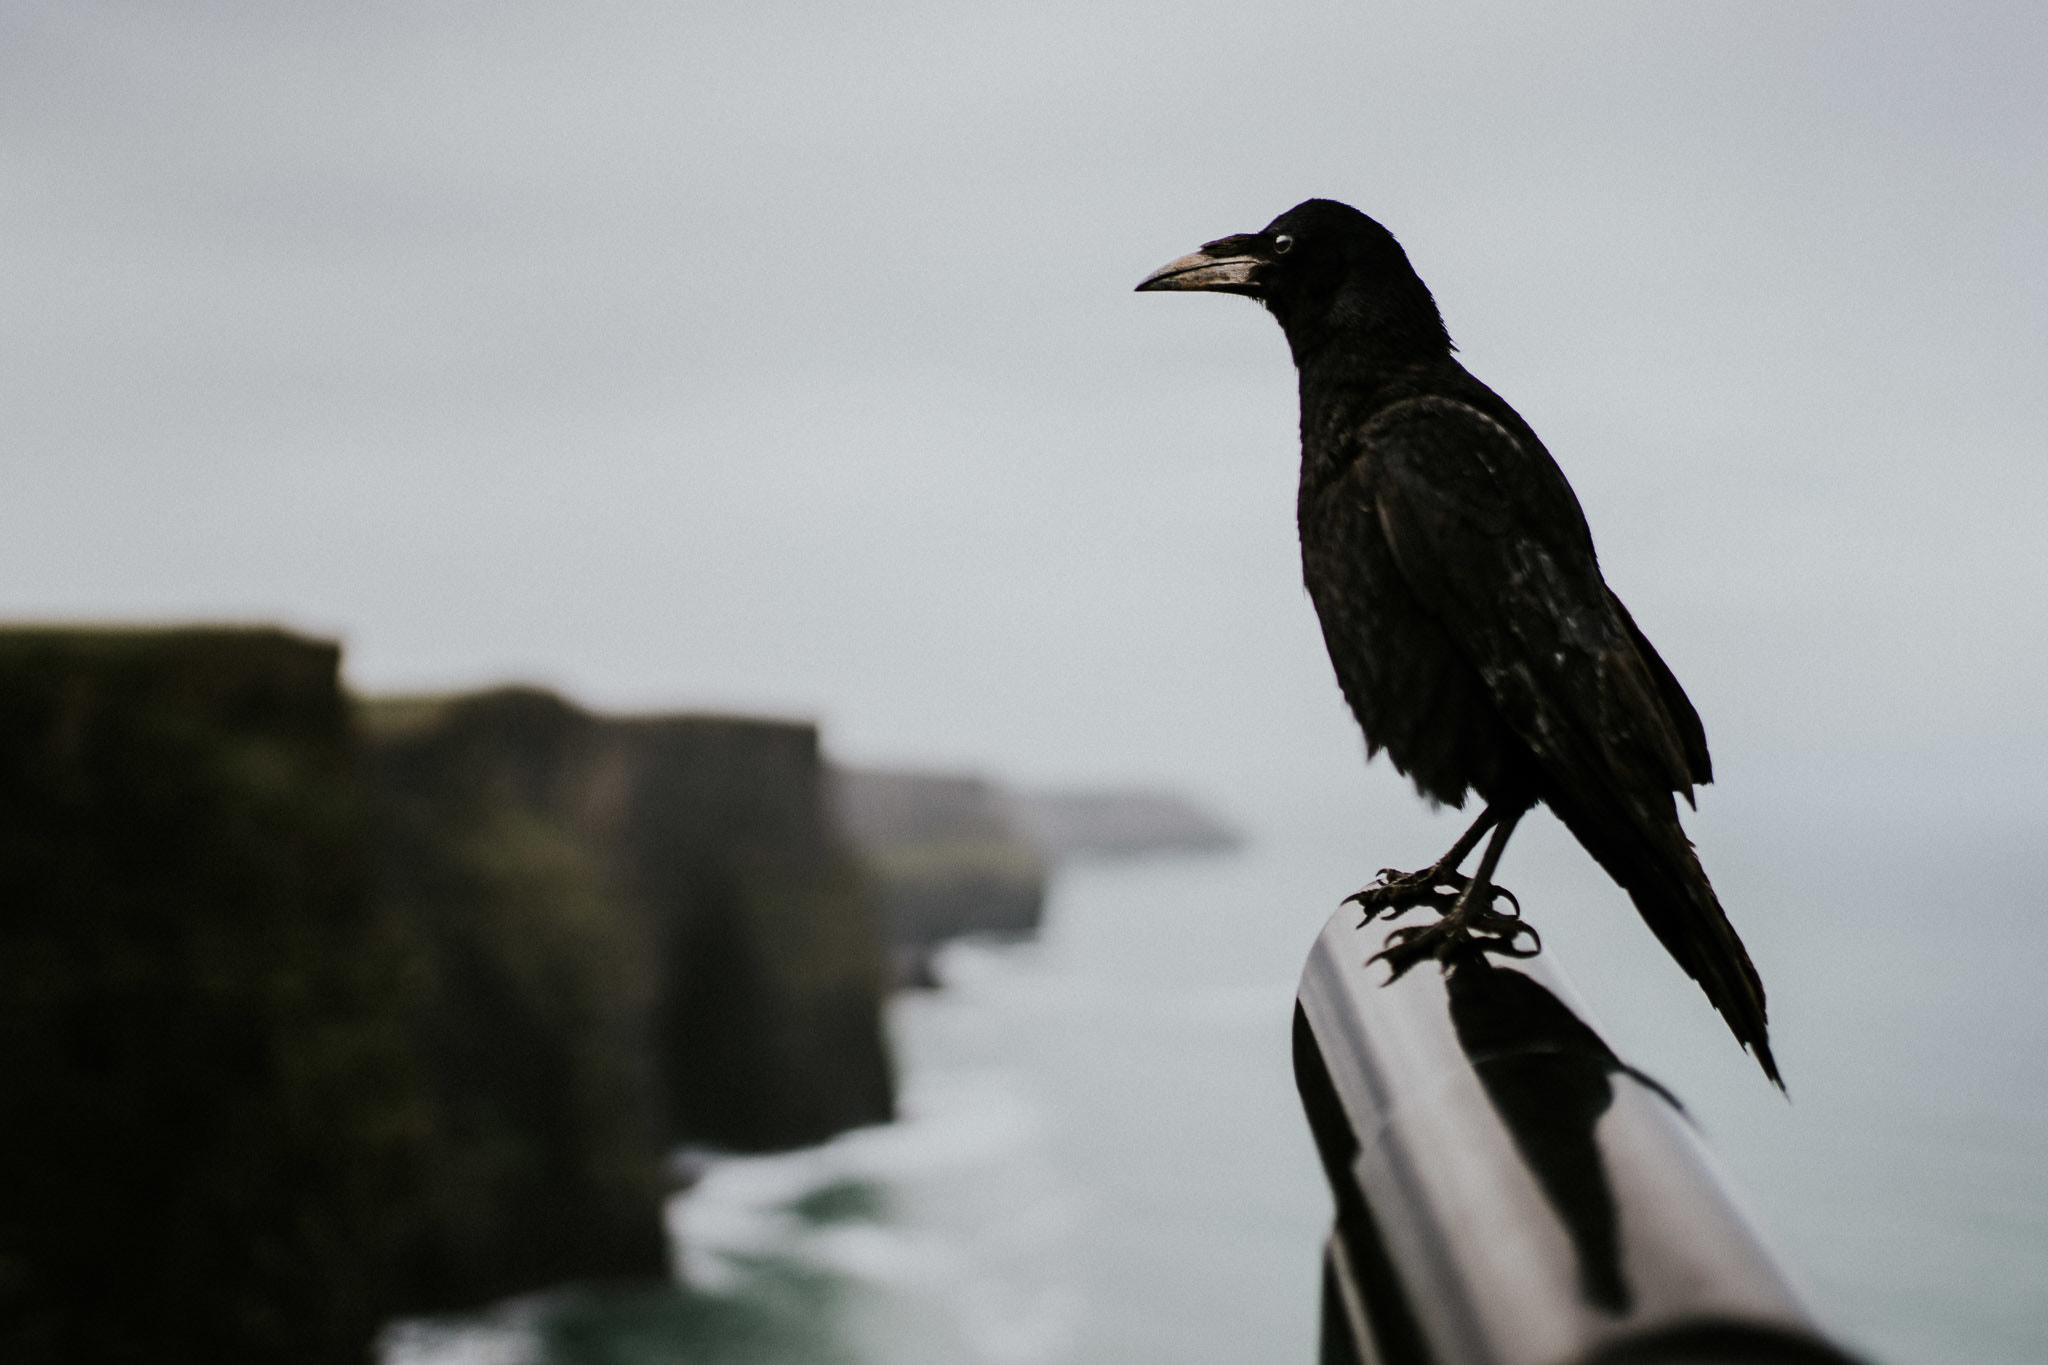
{"x": 1220, "y": 271}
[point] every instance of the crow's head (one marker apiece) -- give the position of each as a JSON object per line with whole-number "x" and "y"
{"x": 1328, "y": 273}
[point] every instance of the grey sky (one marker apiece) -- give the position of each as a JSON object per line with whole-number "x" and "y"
{"x": 782, "y": 356}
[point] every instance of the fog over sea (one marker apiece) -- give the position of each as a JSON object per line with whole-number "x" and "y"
{"x": 1102, "y": 1158}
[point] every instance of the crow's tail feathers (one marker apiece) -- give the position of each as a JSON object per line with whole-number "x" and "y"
{"x": 1713, "y": 954}
{"x": 1663, "y": 876}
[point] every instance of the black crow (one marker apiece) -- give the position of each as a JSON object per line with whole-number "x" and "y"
{"x": 1464, "y": 610}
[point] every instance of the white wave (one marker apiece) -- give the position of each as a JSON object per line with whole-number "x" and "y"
{"x": 504, "y": 1337}
{"x": 974, "y": 1226}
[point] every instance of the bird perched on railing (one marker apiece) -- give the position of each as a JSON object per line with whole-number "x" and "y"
{"x": 1464, "y": 610}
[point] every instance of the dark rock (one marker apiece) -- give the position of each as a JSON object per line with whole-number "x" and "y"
{"x": 530, "y": 991}
{"x": 210, "y": 1104}
{"x": 954, "y": 855}
{"x": 311, "y": 1016}
{"x": 947, "y": 858}
{"x": 768, "y": 1007}
{"x": 639, "y": 932}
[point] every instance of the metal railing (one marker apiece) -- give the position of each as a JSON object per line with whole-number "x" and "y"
{"x": 1508, "y": 1191}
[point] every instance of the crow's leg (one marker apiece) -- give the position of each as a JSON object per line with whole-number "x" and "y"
{"x": 1393, "y": 892}
{"x": 1472, "y": 925}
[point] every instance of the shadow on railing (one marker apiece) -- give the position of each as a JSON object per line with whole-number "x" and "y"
{"x": 1508, "y": 1191}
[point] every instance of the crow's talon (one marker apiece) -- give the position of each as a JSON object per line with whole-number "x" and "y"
{"x": 1394, "y": 893}
{"x": 1476, "y": 928}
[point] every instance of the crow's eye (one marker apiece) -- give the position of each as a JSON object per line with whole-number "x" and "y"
{"x": 1282, "y": 244}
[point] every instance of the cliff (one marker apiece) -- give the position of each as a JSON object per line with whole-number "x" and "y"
{"x": 1119, "y": 824}
{"x": 948, "y": 859}
{"x": 529, "y": 989}
{"x": 211, "y": 1103}
{"x": 767, "y": 1013}
{"x": 311, "y": 1014}
{"x": 636, "y": 932}
{"x": 953, "y": 855}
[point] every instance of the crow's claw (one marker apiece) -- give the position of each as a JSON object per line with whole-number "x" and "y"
{"x": 1394, "y": 893}
{"x": 1475, "y": 928}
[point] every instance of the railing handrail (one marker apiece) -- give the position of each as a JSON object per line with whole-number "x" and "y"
{"x": 1508, "y": 1191}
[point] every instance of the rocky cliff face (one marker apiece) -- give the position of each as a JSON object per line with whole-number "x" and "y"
{"x": 210, "y": 1099}
{"x": 310, "y": 1014}
{"x": 529, "y": 990}
{"x": 947, "y": 856}
{"x": 766, "y": 1016}
{"x": 1112, "y": 824}
{"x": 953, "y": 855}
{"x": 636, "y": 932}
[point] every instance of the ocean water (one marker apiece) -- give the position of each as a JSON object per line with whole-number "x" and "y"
{"x": 1101, "y": 1157}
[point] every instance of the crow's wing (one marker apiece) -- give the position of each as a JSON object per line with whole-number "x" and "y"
{"x": 1676, "y": 704}
{"x": 1486, "y": 532}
